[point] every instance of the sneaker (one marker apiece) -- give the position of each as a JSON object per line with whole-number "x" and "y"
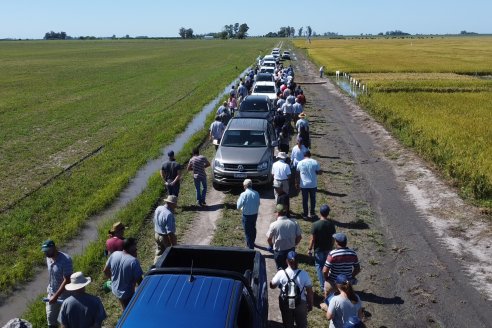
{"x": 204, "y": 204}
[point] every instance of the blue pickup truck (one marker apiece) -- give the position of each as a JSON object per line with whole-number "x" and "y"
{"x": 202, "y": 286}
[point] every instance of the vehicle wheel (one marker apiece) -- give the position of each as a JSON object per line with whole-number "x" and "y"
{"x": 217, "y": 186}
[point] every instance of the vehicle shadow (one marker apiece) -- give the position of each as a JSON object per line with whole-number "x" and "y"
{"x": 359, "y": 224}
{"x": 329, "y": 193}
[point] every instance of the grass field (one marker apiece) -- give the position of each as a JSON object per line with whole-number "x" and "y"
{"x": 61, "y": 101}
{"x": 431, "y": 94}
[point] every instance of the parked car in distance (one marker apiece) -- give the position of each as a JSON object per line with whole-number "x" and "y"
{"x": 267, "y": 69}
{"x": 246, "y": 151}
{"x": 265, "y": 88}
{"x": 201, "y": 286}
{"x": 256, "y": 106}
{"x": 264, "y": 77}
{"x": 286, "y": 55}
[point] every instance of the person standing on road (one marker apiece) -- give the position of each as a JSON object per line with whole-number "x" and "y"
{"x": 282, "y": 197}
{"x": 216, "y": 131}
{"x": 115, "y": 242}
{"x": 165, "y": 226}
{"x": 301, "y": 278}
{"x": 281, "y": 172}
{"x": 171, "y": 174}
{"x": 283, "y": 235}
{"x": 341, "y": 260}
{"x": 197, "y": 164}
{"x": 307, "y": 181}
{"x": 297, "y": 154}
{"x": 321, "y": 71}
{"x": 81, "y": 309}
{"x": 322, "y": 232}
{"x": 125, "y": 272}
{"x": 345, "y": 309}
{"x": 60, "y": 268}
{"x": 249, "y": 203}
{"x": 242, "y": 92}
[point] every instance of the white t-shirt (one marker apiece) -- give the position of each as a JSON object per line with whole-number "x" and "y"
{"x": 280, "y": 170}
{"x": 302, "y": 280}
{"x": 342, "y": 309}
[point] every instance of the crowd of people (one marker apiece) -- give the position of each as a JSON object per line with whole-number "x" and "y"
{"x": 69, "y": 305}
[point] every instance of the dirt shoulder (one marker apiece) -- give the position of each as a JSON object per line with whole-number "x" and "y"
{"x": 425, "y": 254}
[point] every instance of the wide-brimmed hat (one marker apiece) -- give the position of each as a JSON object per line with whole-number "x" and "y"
{"x": 117, "y": 226}
{"x": 171, "y": 199}
{"x": 302, "y": 115}
{"x": 77, "y": 281}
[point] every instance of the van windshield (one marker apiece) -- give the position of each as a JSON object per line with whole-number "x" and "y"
{"x": 264, "y": 89}
{"x": 243, "y": 138}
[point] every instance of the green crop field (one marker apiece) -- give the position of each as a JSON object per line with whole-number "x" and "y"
{"x": 101, "y": 108}
{"x": 435, "y": 94}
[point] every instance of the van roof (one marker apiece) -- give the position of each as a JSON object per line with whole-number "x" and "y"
{"x": 254, "y": 124}
{"x": 174, "y": 300}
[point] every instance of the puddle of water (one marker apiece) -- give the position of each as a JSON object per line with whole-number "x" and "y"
{"x": 16, "y": 304}
{"x": 348, "y": 87}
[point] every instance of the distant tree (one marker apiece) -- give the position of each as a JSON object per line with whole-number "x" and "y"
{"x": 127, "y": 36}
{"x": 230, "y": 30}
{"x": 243, "y": 31}
{"x": 182, "y": 33}
{"x": 468, "y": 33}
{"x": 113, "y": 37}
{"x": 223, "y": 35}
{"x": 396, "y": 33}
{"x": 292, "y": 32}
{"x": 55, "y": 36}
{"x": 189, "y": 33}
{"x": 299, "y": 33}
{"x": 271, "y": 35}
{"x": 309, "y": 31}
{"x": 380, "y": 33}
{"x": 236, "y": 29}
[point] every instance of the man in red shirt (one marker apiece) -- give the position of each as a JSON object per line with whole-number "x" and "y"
{"x": 115, "y": 241}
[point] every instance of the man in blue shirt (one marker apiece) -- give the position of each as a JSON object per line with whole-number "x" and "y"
{"x": 249, "y": 203}
{"x": 165, "y": 226}
{"x": 307, "y": 181}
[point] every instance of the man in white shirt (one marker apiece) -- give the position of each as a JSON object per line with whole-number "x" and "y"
{"x": 281, "y": 172}
{"x": 307, "y": 181}
{"x": 303, "y": 281}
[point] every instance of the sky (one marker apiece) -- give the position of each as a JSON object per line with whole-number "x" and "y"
{"x": 162, "y": 18}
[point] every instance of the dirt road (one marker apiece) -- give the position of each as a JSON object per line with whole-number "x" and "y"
{"x": 425, "y": 254}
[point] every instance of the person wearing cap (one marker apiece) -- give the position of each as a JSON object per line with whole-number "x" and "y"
{"x": 81, "y": 309}
{"x": 165, "y": 226}
{"x": 303, "y": 281}
{"x": 60, "y": 268}
{"x": 216, "y": 131}
{"x": 198, "y": 163}
{"x": 281, "y": 172}
{"x": 125, "y": 272}
{"x": 322, "y": 232}
{"x": 171, "y": 174}
{"x": 115, "y": 241}
{"x": 249, "y": 203}
{"x": 345, "y": 309}
{"x": 307, "y": 172}
{"x": 282, "y": 197}
{"x": 341, "y": 260}
{"x": 283, "y": 235}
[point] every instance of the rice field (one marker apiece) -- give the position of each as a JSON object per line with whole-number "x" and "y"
{"x": 434, "y": 94}
{"x": 100, "y": 108}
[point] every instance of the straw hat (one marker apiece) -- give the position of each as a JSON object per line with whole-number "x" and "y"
{"x": 77, "y": 281}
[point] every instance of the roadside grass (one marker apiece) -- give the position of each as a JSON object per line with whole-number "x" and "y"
{"x": 430, "y": 94}
{"x": 138, "y": 217}
{"x": 62, "y": 100}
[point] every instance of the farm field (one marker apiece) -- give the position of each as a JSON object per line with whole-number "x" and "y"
{"x": 104, "y": 106}
{"x": 431, "y": 94}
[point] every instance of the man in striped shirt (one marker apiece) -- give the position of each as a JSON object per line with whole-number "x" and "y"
{"x": 341, "y": 260}
{"x": 197, "y": 164}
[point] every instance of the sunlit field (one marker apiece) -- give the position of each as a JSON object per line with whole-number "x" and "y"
{"x": 435, "y": 94}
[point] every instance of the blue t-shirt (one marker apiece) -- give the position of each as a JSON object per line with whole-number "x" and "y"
{"x": 125, "y": 272}
{"x": 164, "y": 221}
{"x": 307, "y": 169}
{"x": 58, "y": 269}
{"x": 81, "y": 310}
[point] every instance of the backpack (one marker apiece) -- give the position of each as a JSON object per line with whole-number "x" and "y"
{"x": 290, "y": 293}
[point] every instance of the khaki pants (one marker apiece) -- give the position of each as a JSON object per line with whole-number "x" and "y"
{"x": 162, "y": 242}
{"x": 285, "y": 186}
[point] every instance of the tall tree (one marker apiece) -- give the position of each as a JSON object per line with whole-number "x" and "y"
{"x": 189, "y": 33}
{"x": 300, "y": 31}
{"x": 292, "y": 31}
{"x": 309, "y": 31}
{"x": 243, "y": 31}
{"x": 182, "y": 33}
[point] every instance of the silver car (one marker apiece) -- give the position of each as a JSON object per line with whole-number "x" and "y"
{"x": 246, "y": 150}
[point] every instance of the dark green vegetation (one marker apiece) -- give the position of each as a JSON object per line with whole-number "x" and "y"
{"x": 60, "y": 101}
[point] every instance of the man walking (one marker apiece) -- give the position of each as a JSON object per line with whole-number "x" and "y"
{"x": 171, "y": 174}
{"x": 125, "y": 272}
{"x": 249, "y": 203}
{"x": 297, "y": 154}
{"x": 307, "y": 180}
{"x": 322, "y": 232}
{"x": 165, "y": 226}
{"x": 197, "y": 164}
{"x": 283, "y": 236}
{"x": 282, "y": 197}
{"x": 298, "y": 314}
{"x": 281, "y": 172}
{"x": 216, "y": 131}
{"x": 341, "y": 260}
{"x": 115, "y": 240}
{"x": 321, "y": 71}
{"x": 81, "y": 309}
{"x": 60, "y": 268}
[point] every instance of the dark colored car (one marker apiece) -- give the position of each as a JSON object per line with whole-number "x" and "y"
{"x": 202, "y": 286}
{"x": 264, "y": 77}
{"x": 256, "y": 106}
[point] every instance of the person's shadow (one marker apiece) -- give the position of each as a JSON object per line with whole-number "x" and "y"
{"x": 372, "y": 298}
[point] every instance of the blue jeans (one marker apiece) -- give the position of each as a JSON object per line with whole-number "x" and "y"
{"x": 249, "y": 226}
{"x": 200, "y": 196}
{"x": 311, "y": 193}
{"x": 173, "y": 190}
{"x": 280, "y": 258}
{"x": 319, "y": 263}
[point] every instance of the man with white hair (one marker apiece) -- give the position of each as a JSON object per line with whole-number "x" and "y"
{"x": 81, "y": 309}
{"x": 249, "y": 203}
